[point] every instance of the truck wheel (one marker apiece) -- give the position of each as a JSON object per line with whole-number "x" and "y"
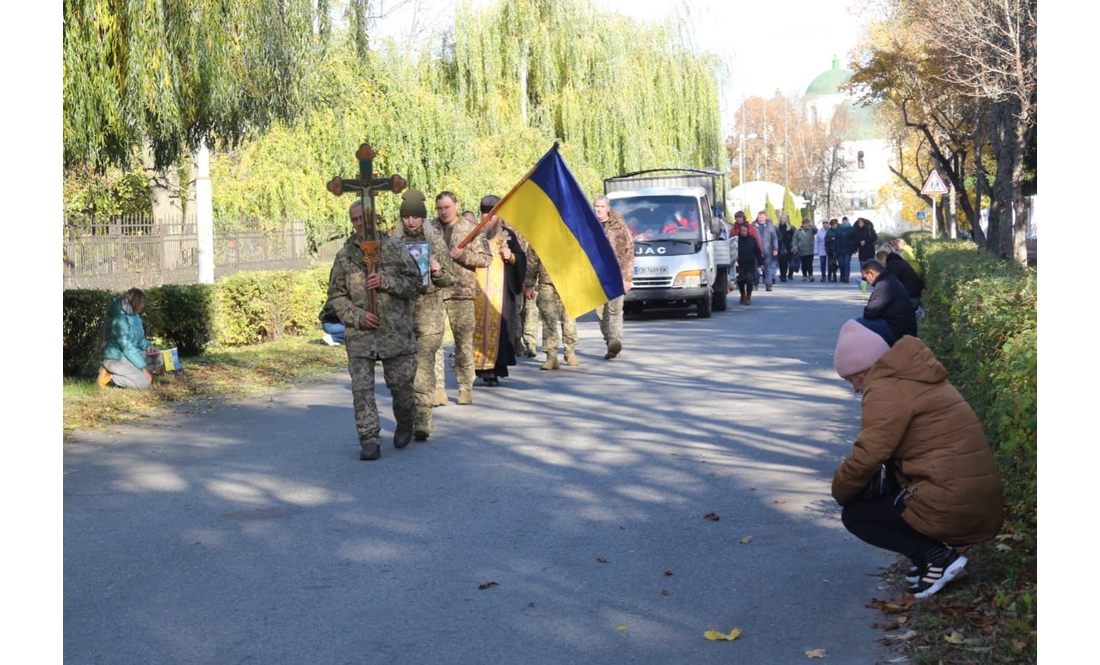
{"x": 632, "y": 308}
{"x": 703, "y": 309}
{"x": 720, "y": 284}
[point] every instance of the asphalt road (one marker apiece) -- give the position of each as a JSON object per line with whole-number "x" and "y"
{"x": 251, "y": 533}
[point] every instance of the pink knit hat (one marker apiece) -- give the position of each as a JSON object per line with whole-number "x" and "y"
{"x": 857, "y": 348}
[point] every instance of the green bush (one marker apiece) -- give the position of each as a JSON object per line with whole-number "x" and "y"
{"x": 982, "y": 325}
{"x": 256, "y": 307}
{"x": 84, "y": 312}
{"x": 180, "y": 315}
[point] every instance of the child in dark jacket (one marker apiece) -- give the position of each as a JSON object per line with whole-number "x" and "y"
{"x": 748, "y": 257}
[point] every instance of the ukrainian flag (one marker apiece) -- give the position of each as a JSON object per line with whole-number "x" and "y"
{"x": 550, "y": 210}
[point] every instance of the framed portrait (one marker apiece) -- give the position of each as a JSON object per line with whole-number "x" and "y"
{"x": 421, "y": 251}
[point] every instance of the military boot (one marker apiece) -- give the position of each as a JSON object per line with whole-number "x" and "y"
{"x": 422, "y": 429}
{"x": 402, "y": 436}
{"x": 369, "y": 450}
{"x": 440, "y": 397}
{"x": 551, "y": 361}
{"x": 465, "y": 395}
{"x": 571, "y": 358}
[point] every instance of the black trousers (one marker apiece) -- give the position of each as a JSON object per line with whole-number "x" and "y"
{"x": 879, "y": 523}
{"x": 746, "y": 277}
{"x": 807, "y": 265}
{"x": 785, "y": 269}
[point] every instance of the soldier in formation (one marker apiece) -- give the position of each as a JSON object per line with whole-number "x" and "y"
{"x": 387, "y": 336}
{"x": 429, "y": 312}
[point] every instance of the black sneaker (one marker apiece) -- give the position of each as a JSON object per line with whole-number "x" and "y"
{"x": 935, "y": 577}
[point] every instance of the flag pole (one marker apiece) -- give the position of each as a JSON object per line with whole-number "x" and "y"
{"x": 485, "y": 218}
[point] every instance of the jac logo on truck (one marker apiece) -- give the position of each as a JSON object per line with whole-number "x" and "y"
{"x": 646, "y": 250}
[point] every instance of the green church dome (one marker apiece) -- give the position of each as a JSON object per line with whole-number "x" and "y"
{"x": 829, "y": 82}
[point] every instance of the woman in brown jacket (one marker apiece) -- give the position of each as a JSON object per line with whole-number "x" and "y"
{"x": 950, "y": 492}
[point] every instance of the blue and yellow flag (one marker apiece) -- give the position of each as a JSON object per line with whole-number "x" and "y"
{"x": 550, "y": 210}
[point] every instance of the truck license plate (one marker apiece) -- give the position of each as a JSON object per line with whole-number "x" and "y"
{"x": 648, "y": 271}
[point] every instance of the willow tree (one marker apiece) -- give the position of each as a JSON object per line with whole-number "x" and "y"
{"x": 392, "y": 100}
{"x": 621, "y": 95}
{"x": 171, "y": 75}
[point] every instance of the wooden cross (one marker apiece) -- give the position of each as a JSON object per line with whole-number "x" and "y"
{"x": 366, "y": 186}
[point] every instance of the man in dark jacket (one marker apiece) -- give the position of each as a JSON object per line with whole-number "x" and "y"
{"x": 889, "y": 312}
{"x": 844, "y": 249}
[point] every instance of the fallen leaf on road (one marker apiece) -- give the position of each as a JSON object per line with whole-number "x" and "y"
{"x": 815, "y": 653}
{"x": 712, "y": 517}
{"x": 621, "y": 628}
{"x": 746, "y": 540}
{"x": 530, "y": 604}
{"x": 664, "y": 592}
{"x": 602, "y": 560}
{"x": 908, "y": 635}
{"x": 954, "y": 637}
{"x": 669, "y": 573}
{"x": 781, "y": 501}
{"x": 902, "y": 604}
{"x": 714, "y": 635}
{"x": 487, "y": 585}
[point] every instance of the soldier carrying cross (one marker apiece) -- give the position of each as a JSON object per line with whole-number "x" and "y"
{"x": 372, "y": 287}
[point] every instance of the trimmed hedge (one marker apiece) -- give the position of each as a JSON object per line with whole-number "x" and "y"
{"x": 243, "y": 309}
{"x": 256, "y": 307}
{"x": 982, "y": 325}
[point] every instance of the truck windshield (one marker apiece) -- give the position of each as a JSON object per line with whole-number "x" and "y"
{"x": 660, "y": 217}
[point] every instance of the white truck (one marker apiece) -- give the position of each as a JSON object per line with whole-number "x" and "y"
{"x": 681, "y": 254}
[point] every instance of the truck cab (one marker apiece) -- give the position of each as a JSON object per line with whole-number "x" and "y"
{"x": 681, "y": 257}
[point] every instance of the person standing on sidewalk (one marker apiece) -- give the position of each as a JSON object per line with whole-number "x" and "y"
{"x": 388, "y": 336}
{"x": 804, "y": 247}
{"x": 787, "y": 257}
{"x": 458, "y": 298}
{"x": 748, "y": 257}
{"x": 844, "y": 249}
{"x": 948, "y": 488}
{"x": 864, "y": 239}
{"x": 610, "y": 314}
{"x": 830, "y": 249}
{"x": 769, "y": 245}
{"x": 819, "y": 247}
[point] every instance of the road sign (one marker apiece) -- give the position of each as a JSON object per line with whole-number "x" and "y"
{"x": 934, "y": 184}
{"x": 921, "y": 215}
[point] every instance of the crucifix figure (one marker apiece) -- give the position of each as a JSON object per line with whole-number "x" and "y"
{"x": 366, "y": 186}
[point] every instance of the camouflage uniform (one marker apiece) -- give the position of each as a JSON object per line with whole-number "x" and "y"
{"x": 430, "y": 320}
{"x": 610, "y": 314}
{"x": 526, "y": 324}
{"x": 394, "y": 343}
{"x": 458, "y": 299}
{"x": 552, "y": 313}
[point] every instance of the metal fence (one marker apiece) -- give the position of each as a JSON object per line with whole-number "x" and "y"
{"x": 139, "y": 251}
